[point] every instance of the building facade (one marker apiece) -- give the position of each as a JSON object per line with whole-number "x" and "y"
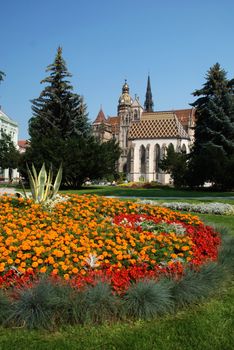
{"x": 9, "y": 127}
{"x": 144, "y": 134}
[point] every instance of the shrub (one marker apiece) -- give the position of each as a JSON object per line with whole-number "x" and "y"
{"x": 148, "y": 298}
{"x": 35, "y": 307}
{"x": 195, "y": 285}
{"x": 100, "y": 303}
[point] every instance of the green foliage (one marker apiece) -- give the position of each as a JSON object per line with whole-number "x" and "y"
{"x": 147, "y": 299}
{"x": 212, "y": 157}
{"x": 175, "y": 164}
{"x": 196, "y": 285}
{"x": 58, "y": 112}
{"x": 41, "y": 186}
{"x": 60, "y": 133}
{"x": 9, "y": 155}
{"x": 69, "y": 307}
{"x": 5, "y": 306}
{"x": 35, "y": 307}
{"x": 157, "y": 228}
{"x": 226, "y": 256}
{"x": 88, "y": 158}
{"x": 100, "y": 303}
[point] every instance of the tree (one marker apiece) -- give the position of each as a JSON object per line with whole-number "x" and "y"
{"x": 2, "y": 75}
{"x": 58, "y": 112}
{"x": 9, "y": 155}
{"x": 175, "y": 164}
{"x": 60, "y": 132}
{"x": 213, "y": 149}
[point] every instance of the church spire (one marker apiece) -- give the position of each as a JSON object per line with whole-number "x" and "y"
{"x": 148, "y": 98}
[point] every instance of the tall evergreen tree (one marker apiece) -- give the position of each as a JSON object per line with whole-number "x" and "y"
{"x": 60, "y": 132}
{"x": 213, "y": 149}
{"x": 58, "y": 111}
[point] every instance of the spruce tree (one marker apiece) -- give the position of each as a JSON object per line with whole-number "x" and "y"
{"x": 60, "y": 132}
{"x": 58, "y": 112}
{"x": 213, "y": 150}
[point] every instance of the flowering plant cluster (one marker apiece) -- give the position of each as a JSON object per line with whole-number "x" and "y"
{"x": 85, "y": 237}
{"x": 203, "y": 208}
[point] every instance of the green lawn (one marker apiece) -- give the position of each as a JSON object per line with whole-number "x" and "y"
{"x": 204, "y": 327}
{"x": 208, "y": 326}
{"x": 150, "y": 192}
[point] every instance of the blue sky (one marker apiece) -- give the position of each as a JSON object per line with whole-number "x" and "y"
{"x": 107, "y": 41}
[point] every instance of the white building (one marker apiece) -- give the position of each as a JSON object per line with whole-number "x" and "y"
{"x": 144, "y": 135}
{"x": 9, "y": 127}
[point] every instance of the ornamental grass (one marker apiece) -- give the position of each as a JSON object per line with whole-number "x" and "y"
{"x": 90, "y": 259}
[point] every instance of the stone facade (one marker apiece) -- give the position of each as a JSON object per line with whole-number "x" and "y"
{"x": 144, "y": 135}
{"x": 10, "y": 127}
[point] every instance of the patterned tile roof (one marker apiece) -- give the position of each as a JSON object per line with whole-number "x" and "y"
{"x": 157, "y": 125}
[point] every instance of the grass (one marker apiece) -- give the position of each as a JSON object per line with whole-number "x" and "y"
{"x": 207, "y": 326}
{"x": 218, "y": 220}
{"x": 149, "y": 192}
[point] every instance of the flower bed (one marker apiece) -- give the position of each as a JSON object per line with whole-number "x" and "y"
{"x": 203, "y": 208}
{"x": 87, "y": 236}
{"x": 91, "y": 259}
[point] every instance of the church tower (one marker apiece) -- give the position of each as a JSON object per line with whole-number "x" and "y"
{"x": 148, "y": 98}
{"x": 125, "y": 115}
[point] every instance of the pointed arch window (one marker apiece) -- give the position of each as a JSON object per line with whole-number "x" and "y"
{"x": 157, "y": 158}
{"x": 142, "y": 160}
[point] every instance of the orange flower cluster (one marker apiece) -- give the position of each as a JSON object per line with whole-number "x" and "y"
{"x": 80, "y": 234}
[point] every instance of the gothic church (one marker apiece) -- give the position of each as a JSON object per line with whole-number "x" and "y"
{"x": 144, "y": 135}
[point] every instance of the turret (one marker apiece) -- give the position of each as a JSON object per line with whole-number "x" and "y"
{"x": 125, "y": 100}
{"x": 148, "y": 98}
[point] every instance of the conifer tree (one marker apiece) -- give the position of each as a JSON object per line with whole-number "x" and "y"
{"x": 213, "y": 151}
{"x": 58, "y": 112}
{"x": 60, "y": 132}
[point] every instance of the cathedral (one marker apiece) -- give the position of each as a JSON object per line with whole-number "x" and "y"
{"x": 144, "y": 134}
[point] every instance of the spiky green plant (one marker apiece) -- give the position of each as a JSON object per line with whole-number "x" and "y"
{"x": 35, "y": 307}
{"x": 41, "y": 185}
{"x": 5, "y": 306}
{"x": 196, "y": 285}
{"x": 100, "y": 303}
{"x": 147, "y": 299}
{"x": 70, "y": 305}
